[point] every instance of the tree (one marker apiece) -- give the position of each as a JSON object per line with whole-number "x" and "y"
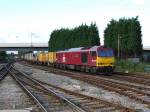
{"x": 82, "y": 36}
{"x": 3, "y": 55}
{"x": 130, "y": 32}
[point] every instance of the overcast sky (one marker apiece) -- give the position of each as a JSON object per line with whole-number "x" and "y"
{"x": 18, "y": 18}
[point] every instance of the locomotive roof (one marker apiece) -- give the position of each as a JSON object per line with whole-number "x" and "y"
{"x": 81, "y": 49}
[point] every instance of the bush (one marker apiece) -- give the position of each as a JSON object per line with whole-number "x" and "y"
{"x": 126, "y": 65}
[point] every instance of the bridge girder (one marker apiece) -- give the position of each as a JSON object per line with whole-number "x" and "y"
{"x": 26, "y": 49}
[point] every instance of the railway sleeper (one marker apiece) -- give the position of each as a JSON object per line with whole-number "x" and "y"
{"x": 96, "y": 106}
{"x": 58, "y": 103}
{"x": 69, "y": 96}
{"x": 107, "y": 109}
{"x": 58, "y": 107}
{"x": 82, "y": 101}
{"x": 77, "y": 100}
{"x": 75, "y": 97}
{"x": 94, "y": 103}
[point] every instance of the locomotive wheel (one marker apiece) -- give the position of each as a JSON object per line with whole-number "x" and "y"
{"x": 93, "y": 70}
{"x": 64, "y": 67}
{"x": 82, "y": 69}
{"x": 86, "y": 69}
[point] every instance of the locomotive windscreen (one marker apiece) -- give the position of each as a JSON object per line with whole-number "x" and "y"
{"x": 105, "y": 53}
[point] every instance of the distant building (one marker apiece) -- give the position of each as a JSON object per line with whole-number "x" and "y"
{"x": 146, "y": 54}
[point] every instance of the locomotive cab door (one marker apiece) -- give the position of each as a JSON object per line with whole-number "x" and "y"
{"x": 84, "y": 57}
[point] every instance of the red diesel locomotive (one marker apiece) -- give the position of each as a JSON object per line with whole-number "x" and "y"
{"x": 88, "y": 59}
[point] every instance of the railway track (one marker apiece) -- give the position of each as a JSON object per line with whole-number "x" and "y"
{"x": 47, "y": 99}
{"x": 141, "y": 79}
{"x": 91, "y": 103}
{"x": 137, "y": 92}
{"x": 77, "y": 102}
{"x": 4, "y": 71}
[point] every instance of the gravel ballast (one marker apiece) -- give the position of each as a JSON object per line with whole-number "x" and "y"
{"x": 82, "y": 87}
{"x": 13, "y": 97}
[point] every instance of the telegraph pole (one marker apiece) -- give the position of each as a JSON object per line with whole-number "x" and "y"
{"x": 31, "y": 39}
{"x": 119, "y": 46}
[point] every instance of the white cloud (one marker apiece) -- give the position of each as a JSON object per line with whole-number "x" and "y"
{"x": 139, "y": 2}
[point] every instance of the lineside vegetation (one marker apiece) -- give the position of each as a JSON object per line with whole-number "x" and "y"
{"x": 82, "y": 36}
{"x": 128, "y": 31}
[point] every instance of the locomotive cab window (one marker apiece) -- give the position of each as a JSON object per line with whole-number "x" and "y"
{"x": 105, "y": 53}
{"x": 93, "y": 53}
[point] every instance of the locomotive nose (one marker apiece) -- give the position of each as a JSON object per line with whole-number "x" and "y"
{"x": 105, "y": 61}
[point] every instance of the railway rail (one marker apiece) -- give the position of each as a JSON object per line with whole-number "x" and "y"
{"x": 137, "y": 92}
{"x": 77, "y": 102}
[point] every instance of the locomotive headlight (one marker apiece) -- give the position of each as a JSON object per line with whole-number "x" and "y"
{"x": 100, "y": 63}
